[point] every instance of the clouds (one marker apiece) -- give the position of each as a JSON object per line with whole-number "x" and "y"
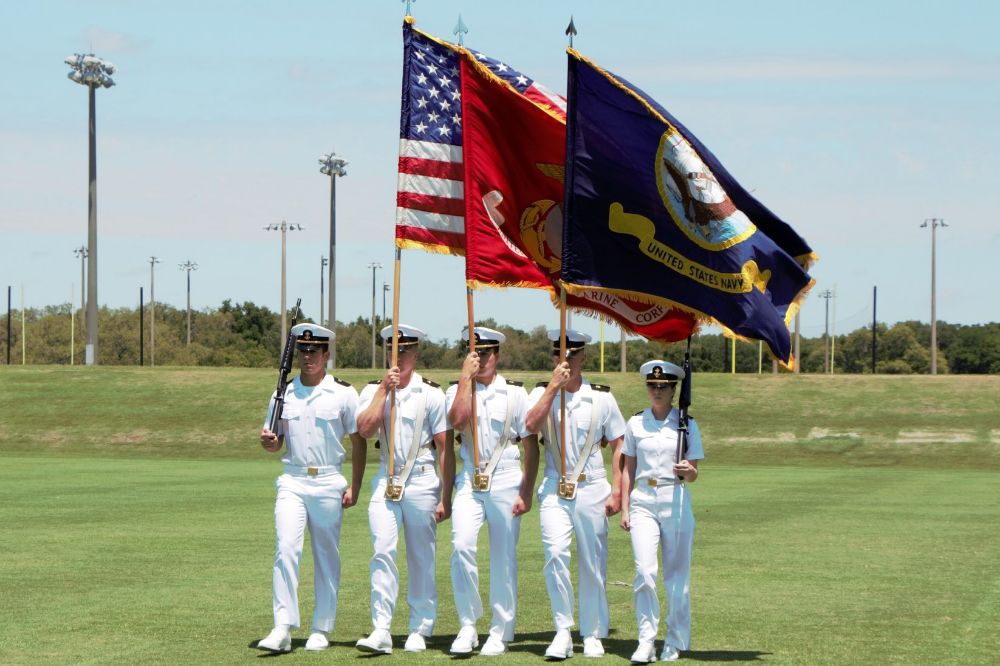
{"x": 109, "y": 42}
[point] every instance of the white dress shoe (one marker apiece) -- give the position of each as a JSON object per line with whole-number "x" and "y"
{"x": 279, "y": 640}
{"x": 669, "y": 653}
{"x": 317, "y": 641}
{"x": 494, "y": 647}
{"x": 415, "y": 643}
{"x": 645, "y": 653}
{"x": 592, "y": 647}
{"x": 379, "y": 641}
{"x": 561, "y": 646}
{"x": 466, "y": 641}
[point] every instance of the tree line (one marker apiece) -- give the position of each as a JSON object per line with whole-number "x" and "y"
{"x": 248, "y": 335}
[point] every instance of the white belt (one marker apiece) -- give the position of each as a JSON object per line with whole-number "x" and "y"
{"x": 502, "y": 466}
{"x": 318, "y": 470}
{"x": 658, "y": 483}
{"x": 586, "y": 477}
{"x": 420, "y": 470}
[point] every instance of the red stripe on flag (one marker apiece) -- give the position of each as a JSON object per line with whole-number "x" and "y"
{"x": 430, "y": 204}
{"x": 420, "y": 167}
{"x": 428, "y": 237}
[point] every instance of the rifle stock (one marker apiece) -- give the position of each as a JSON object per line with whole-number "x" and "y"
{"x": 283, "y": 369}
{"x": 683, "y": 403}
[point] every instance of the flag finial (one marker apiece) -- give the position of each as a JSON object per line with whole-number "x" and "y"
{"x": 460, "y": 30}
{"x": 571, "y": 30}
{"x": 408, "y": 3}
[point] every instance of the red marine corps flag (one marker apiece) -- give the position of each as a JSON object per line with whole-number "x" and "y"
{"x": 514, "y": 155}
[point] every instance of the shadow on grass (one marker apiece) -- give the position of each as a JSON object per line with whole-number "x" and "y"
{"x": 536, "y": 642}
{"x": 724, "y": 655}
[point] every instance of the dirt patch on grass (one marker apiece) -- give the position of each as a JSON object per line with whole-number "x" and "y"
{"x": 936, "y": 436}
{"x": 133, "y": 437}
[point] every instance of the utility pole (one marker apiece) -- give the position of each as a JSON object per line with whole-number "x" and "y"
{"x": 152, "y": 312}
{"x": 874, "y": 339}
{"x": 933, "y": 223}
{"x": 82, "y": 253}
{"x": 374, "y": 266}
{"x": 622, "y": 346}
{"x": 826, "y": 295}
{"x": 323, "y": 261}
{"x": 284, "y": 227}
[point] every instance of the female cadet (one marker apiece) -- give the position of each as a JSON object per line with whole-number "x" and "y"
{"x": 658, "y": 511}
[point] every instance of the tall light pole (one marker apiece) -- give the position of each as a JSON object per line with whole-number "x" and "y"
{"x": 323, "y": 261}
{"x": 82, "y": 253}
{"x": 189, "y": 266}
{"x": 933, "y": 223}
{"x": 152, "y": 312}
{"x": 89, "y": 70}
{"x": 374, "y": 266}
{"x": 284, "y": 227}
{"x": 332, "y": 166}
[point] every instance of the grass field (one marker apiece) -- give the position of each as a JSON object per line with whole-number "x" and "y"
{"x": 840, "y": 520}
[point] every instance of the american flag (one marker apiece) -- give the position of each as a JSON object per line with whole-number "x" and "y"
{"x": 430, "y": 194}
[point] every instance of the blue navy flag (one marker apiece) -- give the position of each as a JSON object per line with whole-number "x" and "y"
{"x": 650, "y": 214}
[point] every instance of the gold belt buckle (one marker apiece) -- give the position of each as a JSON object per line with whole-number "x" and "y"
{"x": 481, "y": 482}
{"x": 312, "y": 471}
{"x": 393, "y": 490}
{"x": 582, "y": 478}
{"x": 651, "y": 482}
{"x": 566, "y": 489}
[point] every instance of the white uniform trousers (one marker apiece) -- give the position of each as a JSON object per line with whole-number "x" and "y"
{"x": 662, "y": 517}
{"x": 469, "y": 510}
{"x": 560, "y": 518}
{"x": 314, "y": 501}
{"x": 414, "y": 514}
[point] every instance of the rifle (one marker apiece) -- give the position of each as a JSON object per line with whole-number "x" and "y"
{"x": 283, "y": 369}
{"x": 683, "y": 402}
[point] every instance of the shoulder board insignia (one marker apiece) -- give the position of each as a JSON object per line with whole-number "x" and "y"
{"x": 601, "y": 387}
{"x": 431, "y": 383}
{"x": 375, "y": 381}
{"x": 452, "y": 382}
{"x": 639, "y": 412}
{"x": 341, "y": 381}
{"x": 514, "y": 382}
{"x": 541, "y": 384}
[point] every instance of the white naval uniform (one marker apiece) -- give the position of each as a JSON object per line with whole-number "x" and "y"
{"x": 314, "y": 421}
{"x": 470, "y": 508}
{"x": 585, "y": 515}
{"x": 414, "y": 513}
{"x": 661, "y": 515}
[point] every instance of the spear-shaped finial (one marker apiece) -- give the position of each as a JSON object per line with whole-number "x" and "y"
{"x": 408, "y": 3}
{"x": 571, "y": 30}
{"x": 460, "y": 30}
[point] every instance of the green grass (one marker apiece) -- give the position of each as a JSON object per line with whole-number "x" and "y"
{"x": 138, "y": 524}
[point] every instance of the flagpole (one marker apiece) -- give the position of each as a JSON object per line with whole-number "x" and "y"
{"x": 474, "y": 444}
{"x": 390, "y": 464}
{"x": 562, "y": 391}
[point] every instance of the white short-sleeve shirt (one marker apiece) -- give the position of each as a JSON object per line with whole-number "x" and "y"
{"x": 653, "y": 444}
{"x": 581, "y": 406}
{"x": 315, "y": 420}
{"x": 407, "y": 400}
{"x": 491, "y": 413}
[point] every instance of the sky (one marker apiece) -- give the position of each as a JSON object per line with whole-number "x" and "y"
{"x": 853, "y": 121}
